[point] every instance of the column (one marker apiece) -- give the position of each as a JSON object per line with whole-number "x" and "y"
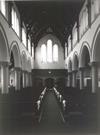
{"x": 74, "y": 79}
{"x": 24, "y": 79}
{"x": 28, "y": 79}
{"x": 81, "y": 78}
{"x": 94, "y": 77}
{"x": 4, "y": 77}
{"x": 17, "y": 78}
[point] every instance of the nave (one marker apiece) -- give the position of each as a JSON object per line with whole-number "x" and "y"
{"x": 46, "y": 114}
{"x": 49, "y": 67}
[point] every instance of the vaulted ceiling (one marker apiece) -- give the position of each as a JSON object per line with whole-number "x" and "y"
{"x": 49, "y": 16}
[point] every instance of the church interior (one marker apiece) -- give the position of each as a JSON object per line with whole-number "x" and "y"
{"x": 50, "y": 67}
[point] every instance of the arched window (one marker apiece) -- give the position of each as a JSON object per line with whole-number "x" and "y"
{"x": 55, "y": 53}
{"x": 49, "y": 50}
{"x": 32, "y": 51}
{"x": 15, "y": 21}
{"x": 24, "y": 36}
{"x": 29, "y": 44}
{"x": 3, "y": 7}
{"x": 43, "y": 53}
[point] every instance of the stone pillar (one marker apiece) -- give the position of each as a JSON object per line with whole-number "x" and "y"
{"x": 24, "y": 79}
{"x": 27, "y": 79}
{"x": 81, "y": 78}
{"x": 4, "y": 77}
{"x": 94, "y": 77}
{"x": 17, "y": 78}
{"x": 74, "y": 79}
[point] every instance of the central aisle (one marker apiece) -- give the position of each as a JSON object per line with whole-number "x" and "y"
{"x": 51, "y": 118}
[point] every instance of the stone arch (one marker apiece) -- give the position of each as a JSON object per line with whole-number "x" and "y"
{"x": 96, "y": 61}
{"x": 16, "y": 53}
{"x": 4, "y": 60}
{"x": 4, "y": 47}
{"x": 85, "y": 55}
{"x": 96, "y": 47}
{"x": 15, "y": 66}
{"x": 75, "y": 63}
{"x": 85, "y": 68}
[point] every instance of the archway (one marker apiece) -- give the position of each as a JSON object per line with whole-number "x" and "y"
{"x": 96, "y": 63}
{"x": 4, "y": 61}
{"x": 15, "y": 67}
{"x": 85, "y": 69}
{"x": 11, "y": 73}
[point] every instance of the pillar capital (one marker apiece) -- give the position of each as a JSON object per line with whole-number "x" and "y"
{"x": 74, "y": 71}
{"x": 24, "y": 71}
{"x": 69, "y": 73}
{"x": 4, "y": 63}
{"x": 30, "y": 73}
{"x": 95, "y": 63}
{"x": 17, "y": 68}
{"x": 82, "y": 68}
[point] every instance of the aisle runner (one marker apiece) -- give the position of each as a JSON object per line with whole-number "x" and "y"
{"x": 51, "y": 117}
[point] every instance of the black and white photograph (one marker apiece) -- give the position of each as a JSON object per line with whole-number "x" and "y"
{"x": 49, "y": 67}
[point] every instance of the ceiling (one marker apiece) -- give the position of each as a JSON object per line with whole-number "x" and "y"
{"x": 49, "y": 16}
